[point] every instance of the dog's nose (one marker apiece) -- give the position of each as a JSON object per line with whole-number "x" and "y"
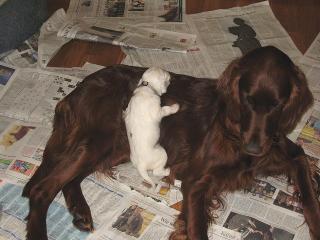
{"x": 253, "y": 147}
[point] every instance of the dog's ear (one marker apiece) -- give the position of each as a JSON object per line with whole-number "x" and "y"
{"x": 299, "y": 102}
{"x": 228, "y": 83}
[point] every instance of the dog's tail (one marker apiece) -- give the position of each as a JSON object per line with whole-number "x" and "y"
{"x": 143, "y": 172}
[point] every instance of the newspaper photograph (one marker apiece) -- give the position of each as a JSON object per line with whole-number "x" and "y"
{"x": 261, "y": 217}
{"x": 26, "y": 55}
{"x": 251, "y": 228}
{"x": 7, "y": 74}
{"x": 309, "y": 137}
{"x": 138, "y": 218}
{"x": 160, "y": 10}
{"x": 261, "y": 191}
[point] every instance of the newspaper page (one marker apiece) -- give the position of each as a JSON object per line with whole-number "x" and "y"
{"x": 21, "y": 148}
{"x": 310, "y": 63}
{"x": 169, "y": 194}
{"x": 117, "y": 33}
{"x": 309, "y": 136}
{"x": 267, "y": 211}
{"x": 49, "y": 43}
{"x": 223, "y": 35}
{"x": 31, "y": 94}
{"x": 26, "y": 55}
{"x": 7, "y": 75}
{"x": 102, "y": 198}
{"x": 118, "y": 213}
{"x": 159, "y": 10}
{"x": 137, "y": 218}
{"x": 78, "y": 72}
{"x": 91, "y": 67}
{"x": 307, "y": 132}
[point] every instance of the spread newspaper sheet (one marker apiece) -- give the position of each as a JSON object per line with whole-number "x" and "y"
{"x": 222, "y": 35}
{"x": 128, "y": 208}
{"x": 153, "y": 10}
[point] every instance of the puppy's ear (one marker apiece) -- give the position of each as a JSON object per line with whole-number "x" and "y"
{"x": 299, "y": 102}
{"x": 228, "y": 83}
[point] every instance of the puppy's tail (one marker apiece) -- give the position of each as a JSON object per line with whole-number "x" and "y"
{"x": 143, "y": 172}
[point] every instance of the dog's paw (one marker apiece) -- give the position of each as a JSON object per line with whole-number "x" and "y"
{"x": 83, "y": 223}
{"x": 180, "y": 232}
{"x": 314, "y": 234}
{"x": 178, "y": 236}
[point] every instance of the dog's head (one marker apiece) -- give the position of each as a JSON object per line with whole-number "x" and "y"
{"x": 266, "y": 97}
{"x": 157, "y": 78}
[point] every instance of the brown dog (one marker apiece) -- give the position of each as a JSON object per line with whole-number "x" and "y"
{"x": 226, "y": 133}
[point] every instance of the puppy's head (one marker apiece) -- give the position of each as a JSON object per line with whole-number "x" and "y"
{"x": 157, "y": 78}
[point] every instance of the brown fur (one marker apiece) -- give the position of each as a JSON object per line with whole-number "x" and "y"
{"x": 227, "y": 132}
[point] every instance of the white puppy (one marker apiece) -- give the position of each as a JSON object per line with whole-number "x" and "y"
{"x": 143, "y": 117}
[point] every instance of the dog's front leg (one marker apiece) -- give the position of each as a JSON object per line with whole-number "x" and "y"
{"x": 302, "y": 176}
{"x": 193, "y": 221}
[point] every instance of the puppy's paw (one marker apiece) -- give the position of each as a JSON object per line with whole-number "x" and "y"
{"x": 175, "y": 108}
{"x": 161, "y": 172}
{"x": 166, "y": 172}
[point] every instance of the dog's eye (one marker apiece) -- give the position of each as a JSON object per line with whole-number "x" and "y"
{"x": 250, "y": 100}
{"x": 274, "y": 104}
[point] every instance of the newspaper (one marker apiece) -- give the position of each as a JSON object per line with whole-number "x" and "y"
{"x": 49, "y": 43}
{"x": 309, "y": 136}
{"x": 26, "y": 55}
{"x": 310, "y": 63}
{"x": 266, "y": 211}
{"x": 7, "y": 73}
{"x": 222, "y": 35}
{"x": 157, "y": 10}
{"x": 118, "y": 212}
{"x": 126, "y": 173}
{"x": 307, "y": 132}
{"x": 78, "y": 72}
{"x": 107, "y": 201}
{"x": 21, "y": 148}
{"x": 128, "y": 35}
{"x": 31, "y": 94}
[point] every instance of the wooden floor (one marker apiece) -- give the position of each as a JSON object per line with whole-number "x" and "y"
{"x": 301, "y": 19}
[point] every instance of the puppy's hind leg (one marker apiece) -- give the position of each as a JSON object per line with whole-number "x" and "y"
{"x": 160, "y": 162}
{"x": 144, "y": 173}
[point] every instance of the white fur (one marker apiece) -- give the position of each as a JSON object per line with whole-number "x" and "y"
{"x": 142, "y": 118}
